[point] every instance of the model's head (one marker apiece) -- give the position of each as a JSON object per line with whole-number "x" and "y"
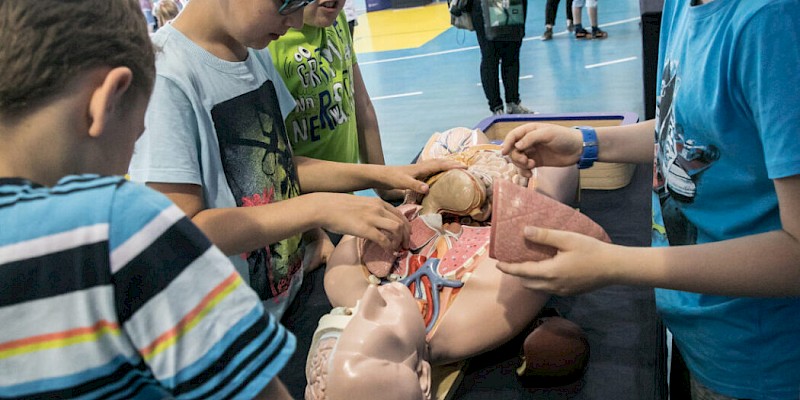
{"x": 378, "y": 353}
{"x": 47, "y": 44}
{"x": 322, "y": 13}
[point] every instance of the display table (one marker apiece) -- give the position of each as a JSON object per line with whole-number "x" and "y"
{"x": 626, "y": 337}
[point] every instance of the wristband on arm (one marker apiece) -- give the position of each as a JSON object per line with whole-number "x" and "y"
{"x": 589, "y": 155}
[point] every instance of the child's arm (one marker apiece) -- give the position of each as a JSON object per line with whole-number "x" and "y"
{"x": 238, "y": 230}
{"x": 538, "y": 144}
{"x": 766, "y": 264}
{"x": 326, "y": 176}
{"x": 369, "y": 135}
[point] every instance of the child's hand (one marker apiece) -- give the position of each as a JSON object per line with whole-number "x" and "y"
{"x": 366, "y": 217}
{"x": 581, "y": 264}
{"x": 410, "y": 177}
{"x": 537, "y": 145}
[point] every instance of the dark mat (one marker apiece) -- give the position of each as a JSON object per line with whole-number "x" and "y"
{"x": 626, "y": 336}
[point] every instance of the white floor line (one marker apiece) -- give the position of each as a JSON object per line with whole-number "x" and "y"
{"x": 392, "y": 96}
{"x": 439, "y": 53}
{"x": 603, "y": 64}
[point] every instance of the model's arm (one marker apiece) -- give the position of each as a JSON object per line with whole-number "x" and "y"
{"x": 238, "y": 230}
{"x": 766, "y": 264}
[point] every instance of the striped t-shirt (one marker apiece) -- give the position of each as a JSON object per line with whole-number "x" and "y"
{"x": 107, "y": 290}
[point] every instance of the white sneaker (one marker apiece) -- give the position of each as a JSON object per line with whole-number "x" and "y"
{"x": 517, "y": 108}
{"x": 499, "y": 111}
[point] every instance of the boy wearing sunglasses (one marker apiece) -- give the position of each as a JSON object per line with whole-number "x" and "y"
{"x": 216, "y": 144}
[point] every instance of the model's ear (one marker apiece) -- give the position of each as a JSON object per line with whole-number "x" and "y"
{"x": 107, "y": 97}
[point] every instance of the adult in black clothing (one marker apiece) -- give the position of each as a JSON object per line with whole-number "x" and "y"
{"x": 550, "y": 12}
{"x": 500, "y": 48}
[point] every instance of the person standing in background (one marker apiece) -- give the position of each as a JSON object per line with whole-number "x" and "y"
{"x": 166, "y": 11}
{"x": 550, "y": 12}
{"x": 591, "y": 9}
{"x": 149, "y": 17}
{"x": 500, "y": 56}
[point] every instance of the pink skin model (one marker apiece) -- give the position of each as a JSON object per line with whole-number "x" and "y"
{"x": 472, "y": 292}
{"x": 378, "y": 349}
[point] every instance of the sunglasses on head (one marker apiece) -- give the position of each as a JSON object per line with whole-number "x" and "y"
{"x": 290, "y": 6}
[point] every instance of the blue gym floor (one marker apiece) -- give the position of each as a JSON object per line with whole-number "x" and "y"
{"x": 420, "y": 86}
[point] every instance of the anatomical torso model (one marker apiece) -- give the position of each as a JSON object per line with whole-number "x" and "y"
{"x": 464, "y": 304}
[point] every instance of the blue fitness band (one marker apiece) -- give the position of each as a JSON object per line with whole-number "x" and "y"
{"x": 589, "y": 155}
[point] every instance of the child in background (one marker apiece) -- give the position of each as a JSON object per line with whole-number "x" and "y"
{"x": 334, "y": 118}
{"x": 591, "y": 10}
{"x": 166, "y": 11}
{"x": 107, "y": 288}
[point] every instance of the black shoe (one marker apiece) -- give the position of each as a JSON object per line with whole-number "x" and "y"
{"x": 582, "y": 34}
{"x": 548, "y": 34}
{"x": 598, "y": 33}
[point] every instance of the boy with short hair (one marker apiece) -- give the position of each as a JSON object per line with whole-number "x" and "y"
{"x": 107, "y": 288}
{"x": 334, "y": 118}
{"x": 216, "y": 144}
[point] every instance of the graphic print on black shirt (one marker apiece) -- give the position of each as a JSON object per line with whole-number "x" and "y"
{"x": 680, "y": 161}
{"x": 257, "y": 162}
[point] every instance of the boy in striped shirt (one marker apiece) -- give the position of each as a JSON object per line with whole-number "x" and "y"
{"x": 107, "y": 290}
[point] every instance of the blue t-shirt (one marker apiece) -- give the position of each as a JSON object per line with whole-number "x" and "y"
{"x": 219, "y": 124}
{"x": 726, "y": 126}
{"x": 109, "y": 291}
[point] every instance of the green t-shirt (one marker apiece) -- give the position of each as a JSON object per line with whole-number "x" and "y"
{"x": 317, "y": 66}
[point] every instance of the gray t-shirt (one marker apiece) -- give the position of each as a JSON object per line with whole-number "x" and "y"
{"x": 220, "y": 125}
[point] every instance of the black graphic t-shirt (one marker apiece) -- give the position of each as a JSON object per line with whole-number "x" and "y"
{"x": 257, "y": 162}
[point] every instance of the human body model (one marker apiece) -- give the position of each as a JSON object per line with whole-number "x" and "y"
{"x": 448, "y": 271}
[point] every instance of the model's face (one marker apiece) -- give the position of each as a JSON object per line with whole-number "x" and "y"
{"x": 388, "y": 323}
{"x": 385, "y": 340}
{"x": 322, "y": 13}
